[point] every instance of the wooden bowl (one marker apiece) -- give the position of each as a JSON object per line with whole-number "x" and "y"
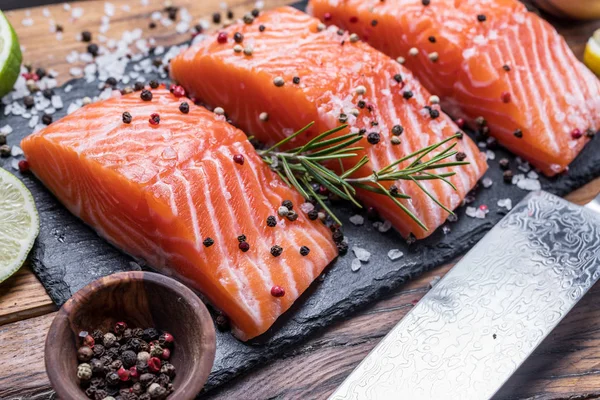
{"x": 142, "y": 299}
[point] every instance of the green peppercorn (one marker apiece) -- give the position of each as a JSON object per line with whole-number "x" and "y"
{"x": 115, "y": 365}
{"x": 156, "y": 351}
{"x": 150, "y": 334}
{"x": 292, "y": 215}
{"x": 84, "y": 372}
{"x": 97, "y": 366}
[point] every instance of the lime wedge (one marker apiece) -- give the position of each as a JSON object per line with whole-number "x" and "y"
{"x": 10, "y": 56}
{"x": 19, "y": 223}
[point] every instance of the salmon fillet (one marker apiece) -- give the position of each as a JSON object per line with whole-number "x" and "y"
{"x": 299, "y": 73}
{"x": 164, "y": 192}
{"x": 489, "y": 61}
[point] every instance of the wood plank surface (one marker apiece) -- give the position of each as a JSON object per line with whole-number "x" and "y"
{"x": 566, "y": 366}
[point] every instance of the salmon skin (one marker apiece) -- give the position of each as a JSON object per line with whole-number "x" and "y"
{"x": 493, "y": 63}
{"x": 173, "y": 195}
{"x": 297, "y": 72}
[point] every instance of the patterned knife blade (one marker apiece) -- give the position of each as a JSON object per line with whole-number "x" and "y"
{"x": 470, "y": 333}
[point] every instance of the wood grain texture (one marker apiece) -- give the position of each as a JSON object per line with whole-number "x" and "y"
{"x": 566, "y": 366}
{"x": 23, "y": 296}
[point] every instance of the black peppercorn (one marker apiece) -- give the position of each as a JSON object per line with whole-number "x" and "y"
{"x": 222, "y": 323}
{"x": 518, "y": 133}
{"x": 86, "y": 36}
{"x": 276, "y": 251}
{"x": 342, "y": 248}
{"x": 373, "y": 138}
{"x": 271, "y": 221}
{"x": 433, "y": 113}
{"x": 100, "y": 394}
{"x": 115, "y": 365}
{"x": 481, "y": 17}
{"x": 46, "y": 119}
{"x": 216, "y": 18}
{"x": 255, "y": 12}
{"x": 184, "y": 107}
{"x": 398, "y": 78}
{"x": 313, "y": 214}
{"x": 91, "y": 391}
{"x": 337, "y": 236}
{"x": 292, "y": 216}
{"x": 48, "y": 93}
{"x": 459, "y": 134}
{"x": 152, "y": 25}
{"x": 112, "y": 378}
{"x": 163, "y": 379}
{"x": 288, "y": 204}
{"x": 407, "y": 94}
{"x": 460, "y": 156}
{"x": 138, "y": 86}
{"x": 150, "y": 334}
{"x": 244, "y": 246}
{"x": 238, "y": 37}
{"x": 28, "y": 101}
{"x": 142, "y": 367}
{"x": 397, "y": 130}
{"x": 153, "y": 84}
{"x": 241, "y": 238}
{"x": 98, "y": 350}
{"x": 425, "y": 2}
{"x": 361, "y": 104}
{"x": 93, "y": 49}
{"x": 147, "y": 379}
{"x": 127, "y": 117}
{"x": 168, "y": 369}
{"x": 504, "y": 163}
{"x": 146, "y": 95}
{"x": 304, "y": 251}
{"x": 507, "y": 176}
{"x": 97, "y": 366}
{"x": 208, "y": 242}
{"x": 111, "y": 81}
{"x": 129, "y": 359}
{"x": 261, "y": 28}
{"x": 296, "y": 80}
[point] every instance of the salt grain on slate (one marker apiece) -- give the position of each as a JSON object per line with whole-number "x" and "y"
{"x": 357, "y": 219}
{"x": 307, "y": 207}
{"x": 385, "y": 226}
{"x": 505, "y": 203}
{"x": 475, "y": 212}
{"x": 487, "y": 182}
{"x": 356, "y": 264}
{"x": 361, "y": 254}
{"x": 395, "y": 254}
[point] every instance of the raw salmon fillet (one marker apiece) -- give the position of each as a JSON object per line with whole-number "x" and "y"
{"x": 324, "y": 73}
{"x": 491, "y": 59}
{"x": 159, "y": 192}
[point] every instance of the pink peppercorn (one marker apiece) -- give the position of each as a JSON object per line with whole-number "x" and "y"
{"x": 483, "y": 208}
{"x": 23, "y": 166}
{"x": 576, "y": 133}
{"x": 222, "y": 37}
{"x": 238, "y": 159}
{"x": 154, "y": 364}
{"x": 133, "y": 373}
{"x": 166, "y": 354}
{"x": 154, "y": 119}
{"x": 88, "y": 340}
{"x": 123, "y": 374}
{"x": 505, "y": 97}
{"x": 327, "y": 16}
{"x": 178, "y": 91}
{"x": 277, "y": 291}
{"x": 460, "y": 122}
{"x": 353, "y": 19}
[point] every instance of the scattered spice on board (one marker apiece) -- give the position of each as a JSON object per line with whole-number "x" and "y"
{"x": 126, "y": 361}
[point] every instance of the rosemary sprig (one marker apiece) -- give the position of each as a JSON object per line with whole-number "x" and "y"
{"x": 305, "y": 165}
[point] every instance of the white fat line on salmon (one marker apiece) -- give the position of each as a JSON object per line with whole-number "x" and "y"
{"x": 246, "y": 297}
{"x": 258, "y": 267}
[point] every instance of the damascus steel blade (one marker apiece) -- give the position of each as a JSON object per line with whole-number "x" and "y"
{"x": 470, "y": 333}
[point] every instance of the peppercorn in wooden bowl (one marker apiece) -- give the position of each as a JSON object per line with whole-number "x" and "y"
{"x": 139, "y": 300}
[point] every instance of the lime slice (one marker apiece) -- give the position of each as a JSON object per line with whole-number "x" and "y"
{"x": 19, "y": 223}
{"x": 10, "y": 56}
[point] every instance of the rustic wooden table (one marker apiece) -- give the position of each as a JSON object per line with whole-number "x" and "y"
{"x": 566, "y": 366}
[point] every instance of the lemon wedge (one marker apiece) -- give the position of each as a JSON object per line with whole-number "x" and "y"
{"x": 591, "y": 55}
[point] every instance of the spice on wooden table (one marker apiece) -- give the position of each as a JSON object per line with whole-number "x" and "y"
{"x": 126, "y": 363}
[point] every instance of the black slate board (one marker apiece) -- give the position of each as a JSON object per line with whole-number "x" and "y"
{"x": 68, "y": 254}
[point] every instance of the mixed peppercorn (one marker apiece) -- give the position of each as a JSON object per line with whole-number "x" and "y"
{"x": 126, "y": 363}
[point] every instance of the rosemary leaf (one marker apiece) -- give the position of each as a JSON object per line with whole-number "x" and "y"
{"x": 436, "y": 201}
{"x": 287, "y": 139}
{"x": 321, "y": 202}
{"x": 292, "y": 178}
{"x": 321, "y": 136}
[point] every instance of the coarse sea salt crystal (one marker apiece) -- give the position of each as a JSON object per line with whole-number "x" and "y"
{"x": 109, "y": 9}
{"x": 27, "y": 22}
{"x": 46, "y": 12}
{"x": 68, "y": 88}
{"x": 362, "y": 254}
{"x": 33, "y": 121}
{"x": 487, "y": 182}
{"x": 75, "y": 71}
{"x": 57, "y": 102}
{"x": 77, "y": 12}
{"x": 505, "y": 203}
{"x": 490, "y": 155}
{"x": 16, "y": 151}
{"x": 14, "y": 163}
{"x": 6, "y": 130}
{"x": 529, "y": 184}
{"x": 395, "y": 254}
{"x": 385, "y": 226}
{"x": 307, "y": 207}
{"x": 357, "y": 219}
{"x": 72, "y": 108}
{"x": 356, "y": 264}
{"x": 532, "y": 175}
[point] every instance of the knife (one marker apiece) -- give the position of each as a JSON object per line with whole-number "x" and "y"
{"x": 471, "y": 332}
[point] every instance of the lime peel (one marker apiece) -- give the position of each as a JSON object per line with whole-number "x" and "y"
{"x": 19, "y": 223}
